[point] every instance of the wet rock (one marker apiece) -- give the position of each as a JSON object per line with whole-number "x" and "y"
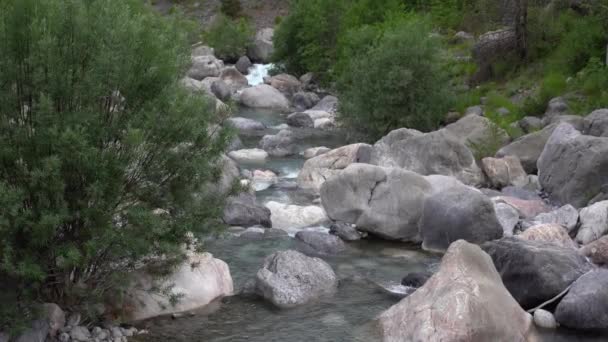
{"x": 281, "y": 144}
{"x": 249, "y": 156}
{"x": 263, "y": 180}
{"x": 464, "y": 301}
{"x": 288, "y": 217}
{"x": 504, "y": 171}
{"x": 594, "y": 223}
{"x": 416, "y": 279}
{"x": 535, "y": 271}
{"x": 596, "y": 123}
{"x": 365, "y": 195}
{"x": 246, "y": 126}
{"x": 551, "y": 233}
{"x": 289, "y": 278}
{"x": 205, "y": 66}
{"x": 597, "y": 251}
{"x": 243, "y": 65}
{"x": 264, "y": 96}
{"x": 507, "y": 216}
{"x": 585, "y": 306}
{"x": 318, "y": 169}
{"x": 458, "y": 213}
{"x": 305, "y": 100}
{"x": 199, "y": 280}
{"x": 566, "y": 216}
{"x": 568, "y": 168}
{"x": 300, "y": 120}
{"x": 321, "y": 242}
{"x": 345, "y": 231}
{"x": 544, "y": 319}
{"x": 427, "y": 154}
{"x": 262, "y": 47}
{"x": 242, "y": 210}
{"x": 315, "y": 151}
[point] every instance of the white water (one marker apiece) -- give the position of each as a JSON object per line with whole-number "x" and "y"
{"x": 257, "y": 73}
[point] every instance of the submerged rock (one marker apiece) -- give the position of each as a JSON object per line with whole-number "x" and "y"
{"x": 246, "y": 126}
{"x": 321, "y": 242}
{"x": 289, "y": 278}
{"x": 464, "y": 301}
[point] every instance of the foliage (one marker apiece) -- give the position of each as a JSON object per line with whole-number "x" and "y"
{"x": 231, "y": 8}
{"x": 229, "y": 37}
{"x": 593, "y": 83}
{"x": 491, "y": 143}
{"x": 552, "y": 85}
{"x": 396, "y": 82}
{"x": 95, "y": 135}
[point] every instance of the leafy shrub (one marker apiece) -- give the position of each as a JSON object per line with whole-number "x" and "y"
{"x": 232, "y": 8}
{"x": 593, "y": 82}
{"x": 552, "y": 85}
{"x": 229, "y": 37}
{"x": 396, "y": 82}
{"x": 96, "y": 134}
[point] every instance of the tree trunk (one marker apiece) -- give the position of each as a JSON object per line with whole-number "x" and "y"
{"x": 521, "y": 28}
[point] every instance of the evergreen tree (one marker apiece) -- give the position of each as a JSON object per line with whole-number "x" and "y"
{"x": 103, "y": 157}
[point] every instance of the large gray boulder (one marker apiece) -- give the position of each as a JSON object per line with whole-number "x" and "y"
{"x": 281, "y": 144}
{"x": 299, "y": 119}
{"x": 535, "y": 271}
{"x": 596, "y": 123}
{"x": 327, "y": 104}
{"x": 556, "y": 107}
{"x": 507, "y": 216}
{"x": 464, "y": 301}
{"x": 291, "y": 217}
{"x": 264, "y": 96}
{"x": 432, "y": 153}
{"x": 455, "y": 214}
{"x": 289, "y": 278}
{"x": 285, "y": 83}
{"x": 503, "y": 172}
{"x": 594, "y": 222}
{"x": 305, "y": 100}
{"x": 262, "y": 48}
{"x": 243, "y": 211}
{"x": 475, "y": 129}
{"x": 320, "y": 168}
{"x": 221, "y": 90}
{"x": 383, "y": 201}
{"x": 205, "y": 66}
{"x": 573, "y": 167}
{"x": 586, "y": 304}
{"x": 243, "y": 65}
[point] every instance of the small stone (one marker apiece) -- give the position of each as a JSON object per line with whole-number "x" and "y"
{"x": 544, "y": 319}
{"x": 80, "y": 334}
{"x": 116, "y": 332}
{"x": 64, "y": 337}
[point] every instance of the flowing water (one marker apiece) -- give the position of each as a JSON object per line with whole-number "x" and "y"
{"x": 366, "y": 270}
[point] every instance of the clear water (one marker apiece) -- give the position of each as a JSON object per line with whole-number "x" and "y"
{"x": 365, "y": 270}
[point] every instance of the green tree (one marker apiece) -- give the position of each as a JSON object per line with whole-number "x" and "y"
{"x": 95, "y": 137}
{"x": 396, "y": 82}
{"x": 229, "y": 37}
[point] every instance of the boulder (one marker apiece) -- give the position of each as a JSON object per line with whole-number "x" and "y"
{"x": 80, "y": 334}
{"x": 315, "y": 152}
{"x": 365, "y": 195}
{"x": 281, "y": 144}
{"x": 262, "y": 48}
{"x": 464, "y": 301}
{"x": 455, "y": 214}
{"x": 205, "y": 66}
{"x": 596, "y": 123}
{"x": 264, "y": 96}
{"x": 544, "y": 319}
{"x": 243, "y": 65}
{"x": 195, "y": 86}
{"x": 321, "y": 242}
{"x": 247, "y": 126}
{"x": 199, "y": 280}
{"x": 221, "y": 90}
{"x": 566, "y": 216}
{"x": 597, "y": 251}
{"x": 345, "y": 231}
{"x": 585, "y": 306}
{"x": 530, "y": 124}
{"x": 230, "y": 173}
{"x": 234, "y": 79}
{"x": 441, "y": 183}
{"x": 478, "y": 130}
{"x": 249, "y": 156}
{"x": 551, "y": 233}
{"x": 427, "y": 154}
{"x": 320, "y": 168}
{"x": 504, "y": 171}
{"x": 263, "y": 180}
{"x": 594, "y": 223}
{"x": 242, "y": 210}
{"x": 535, "y": 271}
{"x": 521, "y": 192}
{"x": 528, "y": 148}
{"x": 327, "y": 104}
{"x": 556, "y": 107}
{"x": 507, "y": 216}
{"x": 571, "y": 167}
{"x": 475, "y": 110}
{"x": 300, "y": 120}
{"x": 203, "y": 50}
{"x": 289, "y": 278}
{"x": 325, "y": 123}
{"x": 292, "y": 217}
{"x": 305, "y": 100}
{"x": 285, "y": 83}
{"x": 416, "y": 279}
{"x": 526, "y": 208}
